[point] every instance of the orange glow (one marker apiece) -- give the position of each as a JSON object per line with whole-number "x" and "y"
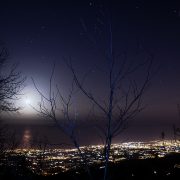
{"x": 26, "y": 137}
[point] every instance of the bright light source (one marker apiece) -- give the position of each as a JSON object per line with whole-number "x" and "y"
{"x": 27, "y": 101}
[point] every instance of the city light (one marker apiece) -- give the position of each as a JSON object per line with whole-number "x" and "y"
{"x": 52, "y": 161}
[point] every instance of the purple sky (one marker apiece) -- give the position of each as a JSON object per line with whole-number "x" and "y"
{"x": 41, "y": 33}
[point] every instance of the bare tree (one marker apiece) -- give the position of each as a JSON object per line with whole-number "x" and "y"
{"x": 116, "y": 114}
{"x": 61, "y": 113}
{"x": 11, "y": 83}
{"x": 124, "y": 93}
{"x": 121, "y": 104}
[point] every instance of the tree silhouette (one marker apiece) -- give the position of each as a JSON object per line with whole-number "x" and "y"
{"x": 124, "y": 98}
{"x": 11, "y": 83}
{"x": 122, "y": 102}
{"x": 50, "y": 108}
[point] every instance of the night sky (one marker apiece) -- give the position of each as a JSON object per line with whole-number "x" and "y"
{"x": 41, "y": 33}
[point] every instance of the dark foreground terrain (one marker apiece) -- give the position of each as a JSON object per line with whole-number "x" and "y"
{"x": 157, "y": 168}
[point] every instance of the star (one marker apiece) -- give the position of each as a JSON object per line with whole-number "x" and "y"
{"x": 43, "y": 27}
{"x": 90, "y": 4}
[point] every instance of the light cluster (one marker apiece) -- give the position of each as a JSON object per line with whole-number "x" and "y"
{"x": 53, "y": 161}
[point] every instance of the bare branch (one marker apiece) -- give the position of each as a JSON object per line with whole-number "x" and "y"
{"x": 11, "y": 84}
